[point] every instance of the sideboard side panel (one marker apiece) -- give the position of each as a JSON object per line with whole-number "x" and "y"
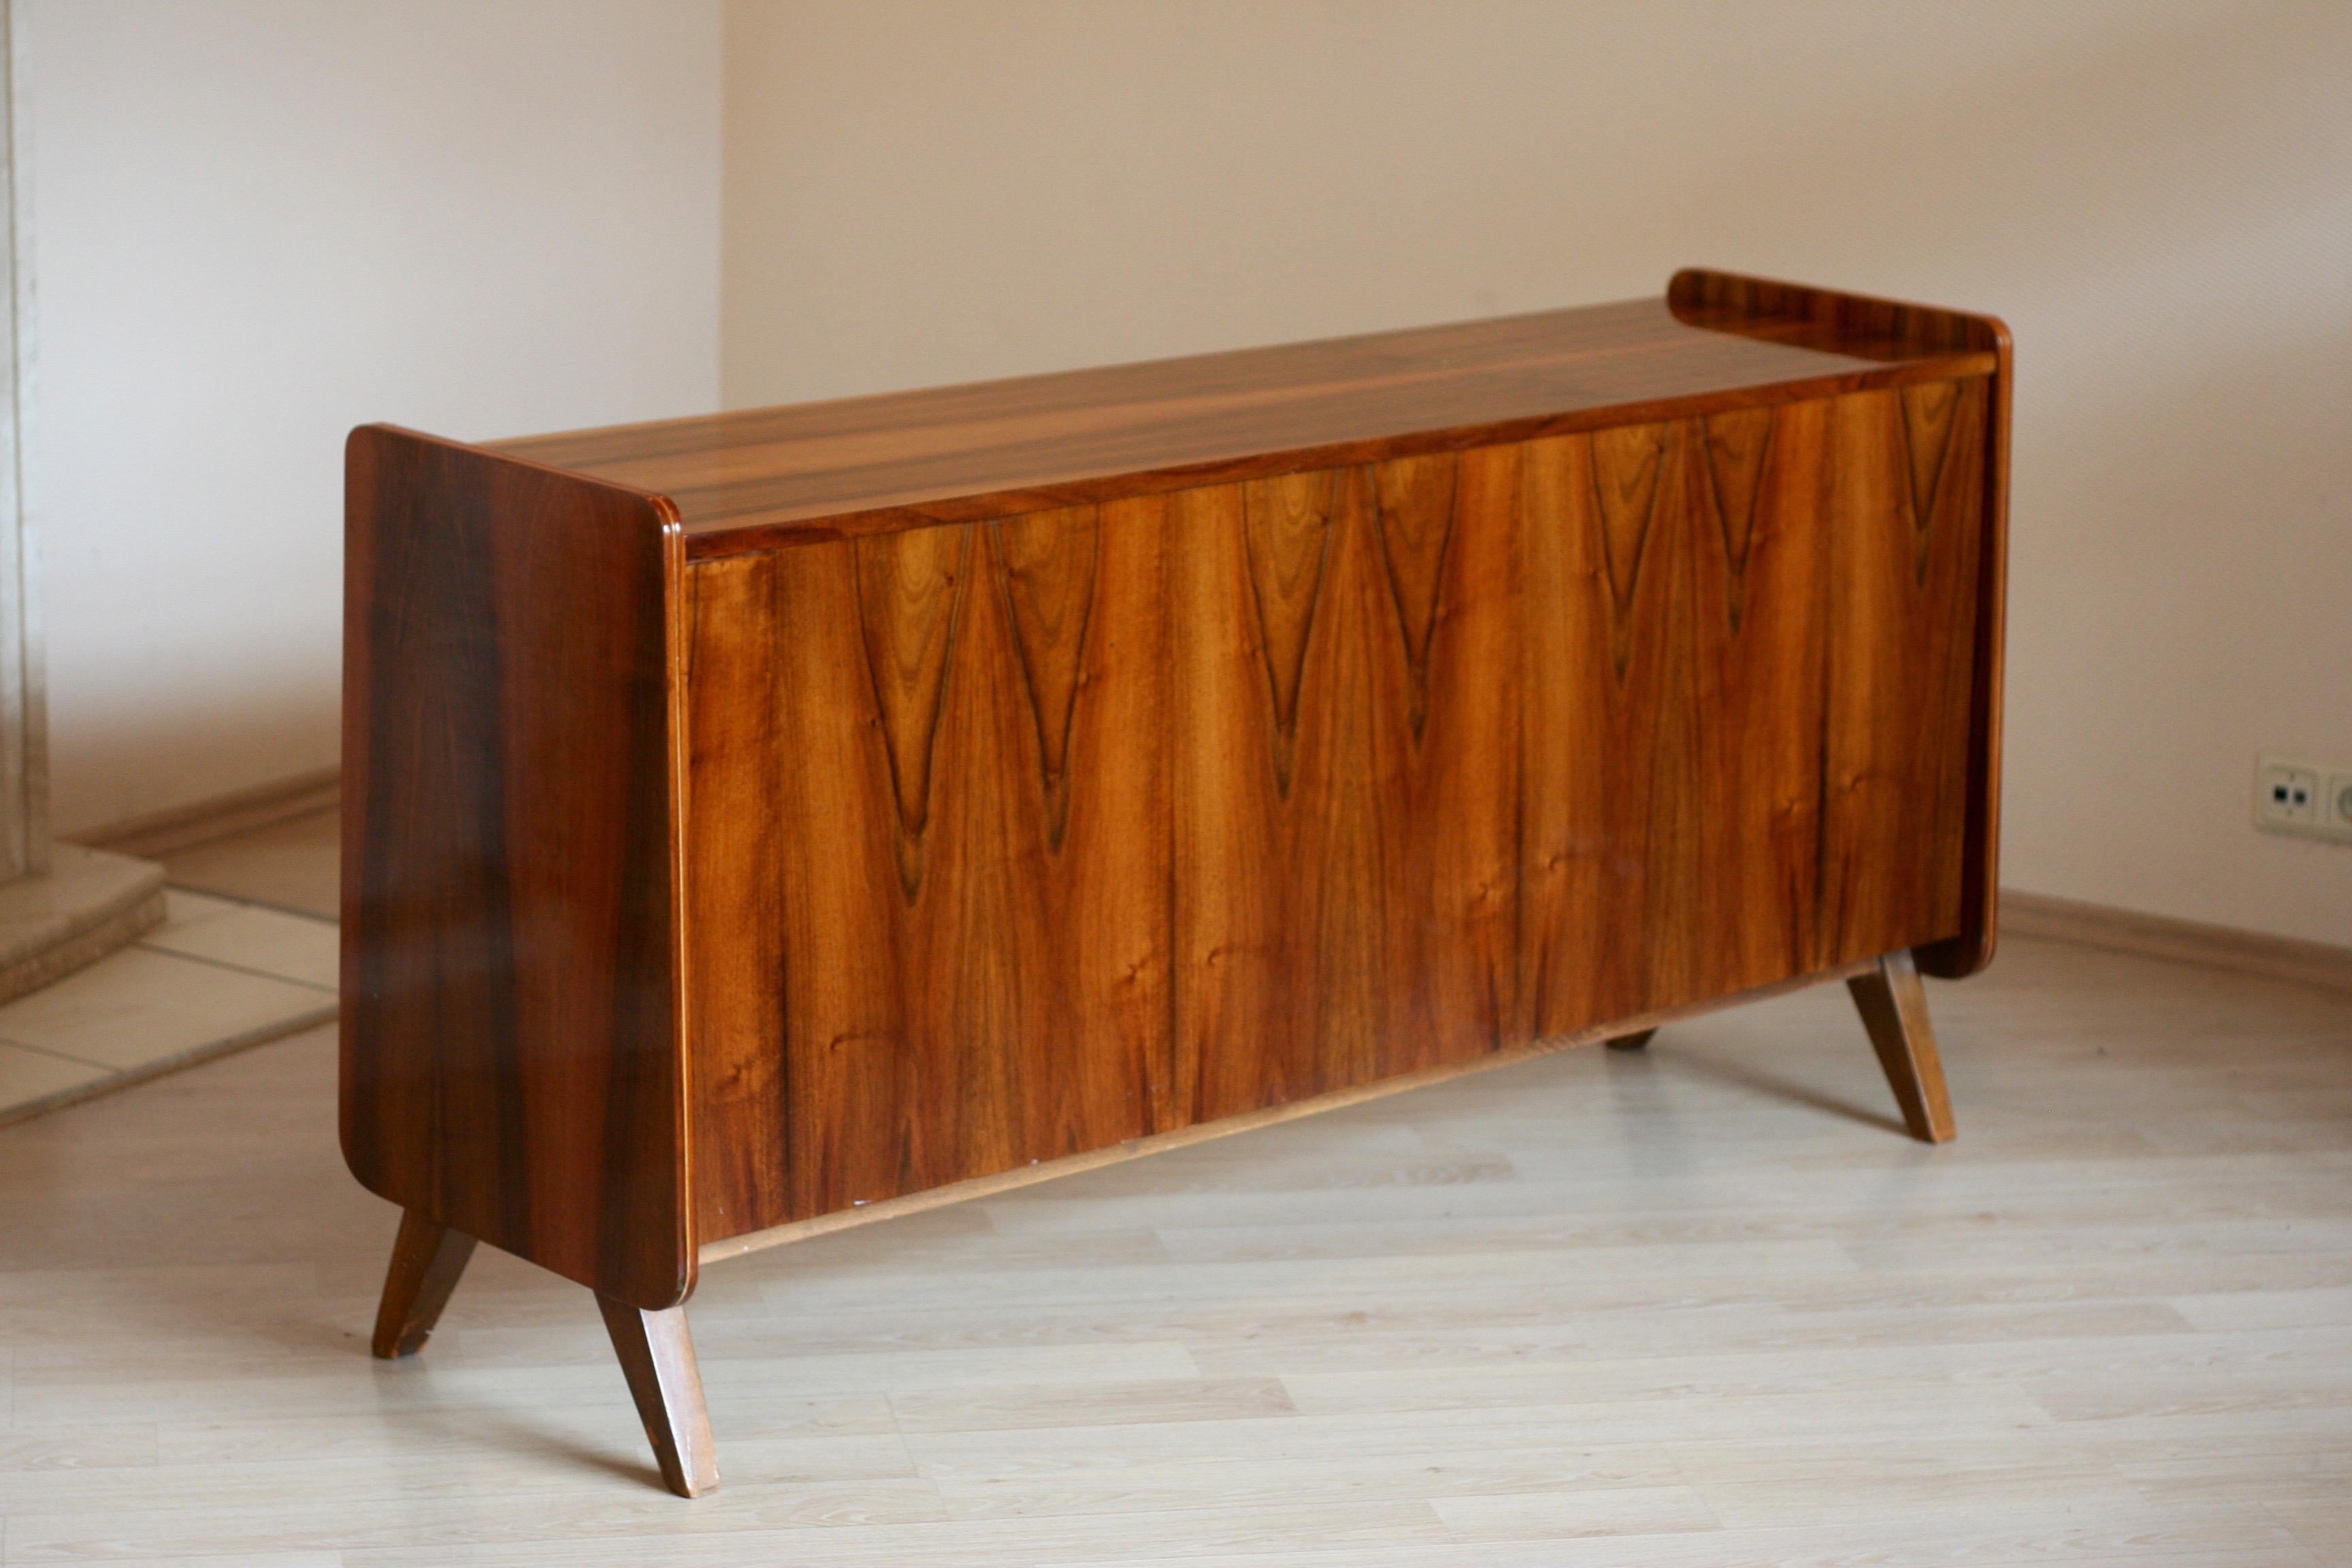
{"x": 1970, "y": 949}
{"x": 512, "y": 1024}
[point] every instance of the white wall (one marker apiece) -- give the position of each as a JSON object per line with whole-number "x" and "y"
{"x": 2156, "y": 196}
{"x": 258, "y": 223}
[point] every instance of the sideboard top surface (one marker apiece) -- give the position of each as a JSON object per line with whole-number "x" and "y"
{"x": 761, "y": 477}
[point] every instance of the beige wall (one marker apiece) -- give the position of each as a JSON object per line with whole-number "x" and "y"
{"x": 2157, "y": 197}
{"x": 258, "y": 223}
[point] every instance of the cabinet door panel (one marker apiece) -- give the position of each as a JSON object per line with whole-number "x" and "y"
{"x": 1017, "y": 838}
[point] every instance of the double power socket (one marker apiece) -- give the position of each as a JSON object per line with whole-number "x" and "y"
{"x": 2303, "y": 798}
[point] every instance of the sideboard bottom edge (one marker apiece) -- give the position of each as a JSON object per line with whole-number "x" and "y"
{"x": 1183, "y": 1137}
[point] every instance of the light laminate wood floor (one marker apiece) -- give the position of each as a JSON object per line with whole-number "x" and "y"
{"x": 1702, "y": 1306}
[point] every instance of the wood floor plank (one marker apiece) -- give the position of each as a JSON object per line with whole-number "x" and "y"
{"x": 1695, "y": 1306}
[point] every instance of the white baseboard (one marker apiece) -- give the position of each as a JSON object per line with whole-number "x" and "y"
{"x": 185, "y": 826}
{"x": 2184, "y": 941}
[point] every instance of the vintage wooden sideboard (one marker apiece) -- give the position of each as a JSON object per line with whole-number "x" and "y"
{"x": 761, "y": 822}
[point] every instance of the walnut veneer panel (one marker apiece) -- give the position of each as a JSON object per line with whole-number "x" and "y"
{"x": 511, "y": 1007}
{"x": 929, "y": 840}
{"x": 1015, "y": 839}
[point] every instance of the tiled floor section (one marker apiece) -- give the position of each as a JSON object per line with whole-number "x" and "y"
{"x": 218, "y": 975}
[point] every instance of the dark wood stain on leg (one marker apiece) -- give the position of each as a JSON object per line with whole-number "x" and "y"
{"x": 656, "y": 1354}
{"x": 426, "y": 1260}
{"x": 1894, "y": 1007}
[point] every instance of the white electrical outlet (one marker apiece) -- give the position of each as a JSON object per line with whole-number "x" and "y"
{"x": 2303, "y": 798}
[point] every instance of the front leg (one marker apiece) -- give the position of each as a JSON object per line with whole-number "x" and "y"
{"x": 658, "y": 1358}
{"x": 1894, "y": 1007}
{"x": 427, "y": 1260}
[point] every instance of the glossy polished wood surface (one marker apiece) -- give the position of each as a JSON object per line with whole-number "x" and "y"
{"x": 1821, "y": 318}
{"x": 1826, "y": 319}
{"x": 753, "y": 479}
{"x": 1090, "y": 825}
{"x": 512, "y": 1017}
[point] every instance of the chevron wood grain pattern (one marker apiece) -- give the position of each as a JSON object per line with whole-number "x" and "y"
{"x": 510, "y": 1016}
{"x": 1095, "y": 824}
{"x": 930, "y": 845}
{"x": 753, "y": 479}
{"x": 1796, "y": 313}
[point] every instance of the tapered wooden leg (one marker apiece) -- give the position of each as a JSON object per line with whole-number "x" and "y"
{"x": 1632, "y": 1042}
{"x": 425, "y": 1262}
{"x": 657, "y": 1357}
{"x": 1895, "y": 1010}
